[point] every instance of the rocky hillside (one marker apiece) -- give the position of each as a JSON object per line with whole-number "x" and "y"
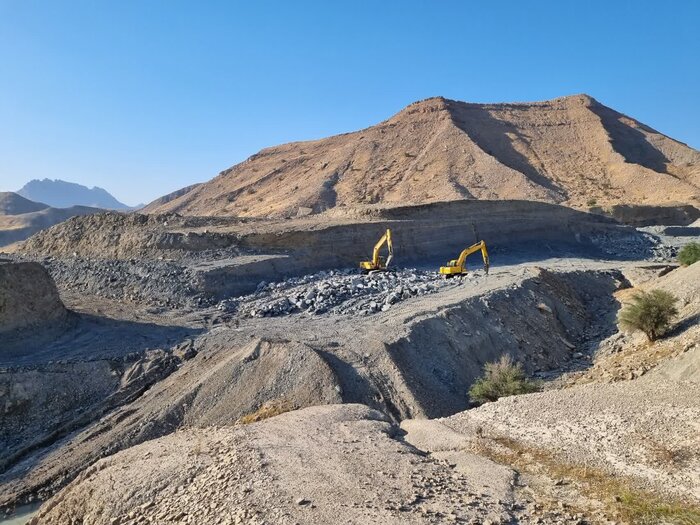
{"x": 571, "y": 150}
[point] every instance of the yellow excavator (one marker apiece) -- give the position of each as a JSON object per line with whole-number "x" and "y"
{"x": 459, "y": 266}
{"x": 379, "y": 263}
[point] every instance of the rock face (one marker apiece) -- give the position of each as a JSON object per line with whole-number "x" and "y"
{"x": 28, "y": 298}
{"x": 572, "y": 150}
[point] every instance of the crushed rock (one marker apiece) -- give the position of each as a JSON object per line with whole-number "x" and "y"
{"x": 339, "y": 292}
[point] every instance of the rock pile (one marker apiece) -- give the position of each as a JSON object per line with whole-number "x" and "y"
{"x": 156, "y": 282}
{"x": 632, "y": 246}
{"x": 338, "y": 292}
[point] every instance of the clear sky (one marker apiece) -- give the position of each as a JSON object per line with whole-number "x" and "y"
{"x": 142, "y": 97}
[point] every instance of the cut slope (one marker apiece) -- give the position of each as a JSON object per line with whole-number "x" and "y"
{"x": 28, "y": 298}
{"x": 568, "y": 150}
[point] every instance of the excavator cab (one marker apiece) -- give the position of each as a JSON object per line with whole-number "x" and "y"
{"x": 378, "y": 262}
{"x": 459, "y": 266}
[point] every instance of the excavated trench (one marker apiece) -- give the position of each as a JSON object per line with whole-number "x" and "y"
{"x": 550, "y": 322}
{"x": 415, "y": 361}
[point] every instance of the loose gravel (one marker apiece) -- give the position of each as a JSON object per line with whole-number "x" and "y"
{"x": 344, "y": 292}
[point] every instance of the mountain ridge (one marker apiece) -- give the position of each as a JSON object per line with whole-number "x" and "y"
{"x": 58, "y": 193}
{"x": 569, "y": 150}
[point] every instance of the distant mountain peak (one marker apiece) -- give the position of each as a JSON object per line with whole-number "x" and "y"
{"x": 62, "y": 194}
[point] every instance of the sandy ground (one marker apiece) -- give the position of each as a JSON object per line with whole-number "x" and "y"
{"x": 331, "y": 464}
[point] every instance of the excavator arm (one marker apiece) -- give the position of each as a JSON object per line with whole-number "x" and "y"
{"x": 458, "y": 266}
{"x": 378, "y": 263}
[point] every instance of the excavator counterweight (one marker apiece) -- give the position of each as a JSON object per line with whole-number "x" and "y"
{"x": 459, "y": 266}
{"x": 379, "y": 263}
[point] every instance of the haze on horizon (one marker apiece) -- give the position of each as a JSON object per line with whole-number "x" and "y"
{"x": 145, "y": 98}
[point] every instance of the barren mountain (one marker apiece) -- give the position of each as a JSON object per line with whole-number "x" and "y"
{"x": 14, "y": 204}
{"x": 571, "y": 150}
{"x": 20, "y": 218}
{"x": 61, "y": 194}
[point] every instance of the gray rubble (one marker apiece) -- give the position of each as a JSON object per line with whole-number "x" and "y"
{"x": 340, "y": 292}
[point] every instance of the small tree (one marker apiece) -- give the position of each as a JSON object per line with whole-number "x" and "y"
{"x": 501, "y": 378}
{"x": 689, "y": 254}
{"x": 651, "y": 312}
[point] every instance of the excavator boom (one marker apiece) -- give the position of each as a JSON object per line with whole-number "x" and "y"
{"x": 459, "y": 266}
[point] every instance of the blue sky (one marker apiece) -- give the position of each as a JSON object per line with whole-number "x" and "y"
{"x": 143, "y": 97}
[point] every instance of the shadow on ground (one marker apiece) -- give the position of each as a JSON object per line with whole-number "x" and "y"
{"x": 88, "y": 338}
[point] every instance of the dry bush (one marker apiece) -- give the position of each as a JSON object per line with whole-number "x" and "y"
{"x": 269, "y": 409}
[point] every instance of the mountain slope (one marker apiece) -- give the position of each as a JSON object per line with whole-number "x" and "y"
{"x": 13, "y": 204}
{"x": 570, "y": 150}
{"x": 21, "y": 218}
{"x": 62, "y": 194}
{"x": 165, "y": 199}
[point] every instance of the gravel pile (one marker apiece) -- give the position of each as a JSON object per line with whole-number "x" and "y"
{"x": 155, "y": 282}
{"x": 338, "y": 292}
{"x": 633, "y": 246}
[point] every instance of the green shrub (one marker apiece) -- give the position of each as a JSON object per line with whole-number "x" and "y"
{"x": 591, "y": 202}
{"x": 651, "y": 312}
{"x": 501, "y": 378}
{"x": 689, "y": 254}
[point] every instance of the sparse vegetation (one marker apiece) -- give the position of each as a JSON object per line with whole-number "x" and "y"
{"x": 501, "y": 378}
{"x": 620, "y": 496}
{"x": 268, "y": 410}
{"x": 591, "y": 202}
{"x": 689, "y": 254}
{"x": 651, "y": 312}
